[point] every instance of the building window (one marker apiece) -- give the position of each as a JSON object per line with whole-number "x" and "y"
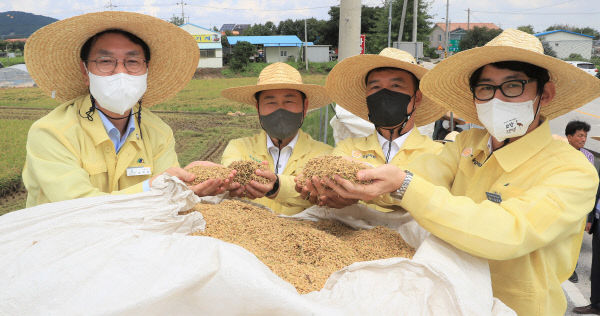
{"x": 207, "y": 53}
{"x": 440, "y": 37}
{"x": 283, "y": 53}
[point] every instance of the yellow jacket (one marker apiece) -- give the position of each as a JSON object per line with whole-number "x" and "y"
{"x": 368, "y": 149}
{"x": 287, "y": 201}
{"x": 70, "y": 157}
{"x": 532, "y": 235}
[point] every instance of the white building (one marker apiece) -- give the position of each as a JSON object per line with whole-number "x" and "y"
{"x": 317, "y": 53}
{"x": 209, "y": 44}
{"x": 565, "y": 43}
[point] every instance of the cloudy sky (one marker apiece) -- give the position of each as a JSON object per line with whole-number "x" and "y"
{"x": 208, "y": 13}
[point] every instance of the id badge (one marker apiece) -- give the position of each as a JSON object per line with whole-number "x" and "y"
{"x": 138, "y": 171}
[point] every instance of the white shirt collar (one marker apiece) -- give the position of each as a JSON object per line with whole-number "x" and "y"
{"x": 290, "y": 145}
{"x": 396, "y": 144}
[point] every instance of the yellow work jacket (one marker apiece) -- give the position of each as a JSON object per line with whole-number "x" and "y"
{"x": 523, "y": 208}
{"x": 287, "y": 201}
{"x": 368, "y": 149}
{"x": 70, "y": 157}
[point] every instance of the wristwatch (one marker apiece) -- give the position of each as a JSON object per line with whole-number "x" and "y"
{"x": 275, "y": 187}
{"x": 399, "y": 194}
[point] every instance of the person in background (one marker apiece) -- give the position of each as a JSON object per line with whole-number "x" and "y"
{"x": 282, "y": 101}
{"x": 103, "y": 139}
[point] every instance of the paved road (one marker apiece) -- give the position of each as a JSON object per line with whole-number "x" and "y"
{"x": 578, "y": 294}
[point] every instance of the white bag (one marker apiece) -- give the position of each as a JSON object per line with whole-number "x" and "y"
{"x": 131, "y": 255}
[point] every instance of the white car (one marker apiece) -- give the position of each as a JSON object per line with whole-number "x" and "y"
{"x": 588, "y": 67}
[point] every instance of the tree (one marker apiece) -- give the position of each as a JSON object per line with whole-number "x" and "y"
{"x": 478, "y": 36}
{"x": 526, "y": 29}
{"x": 583, "y": 30}
{"x": 548, "y": 49}
{"x": 240, "y": 55}
{"x": 176, "y": 20}
{"x": 261, "y": 30}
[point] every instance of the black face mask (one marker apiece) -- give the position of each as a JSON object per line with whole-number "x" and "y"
{"x": 281, "y": 124}
{"x": 388, "y": 108}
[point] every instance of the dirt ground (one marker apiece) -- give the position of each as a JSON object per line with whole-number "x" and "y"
{"x": 214, "y": 129}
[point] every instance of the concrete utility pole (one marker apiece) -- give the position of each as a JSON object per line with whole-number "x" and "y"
{"x": 401, "y": 31}
{"x": 390, "y": 24}
{"x": 415, "y": 15}
{"x": 349, "y": 34}
{"x": 305, "y": 46}
{"x": 468, "y": 19}
{"x": 446, "y": 31}
{"x": 182, "y": 14}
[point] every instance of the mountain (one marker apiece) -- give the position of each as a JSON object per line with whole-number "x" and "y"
{"x": 16, "y": 24}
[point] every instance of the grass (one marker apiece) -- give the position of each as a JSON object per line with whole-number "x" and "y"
{"x": 12, "y": 61}
{"x": 311, "y": 126}
{"x": 254, "y": 69}
{"x": 12, "y": 153}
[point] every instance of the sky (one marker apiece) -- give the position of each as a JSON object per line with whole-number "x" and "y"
{"x": 209, "y": 13}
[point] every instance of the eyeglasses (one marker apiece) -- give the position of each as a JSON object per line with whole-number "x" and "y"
{"x": 510, "y": 89}
{"x": 109, "y": 64}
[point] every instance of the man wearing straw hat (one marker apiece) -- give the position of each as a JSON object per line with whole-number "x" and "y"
{"x": 383, "y": 89}
{"x": 108, "y": 68}
{"x": 509, "y": 193}
{"x": 282, "y": 101}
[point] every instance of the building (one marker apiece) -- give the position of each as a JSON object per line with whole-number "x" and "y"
{"x": 209, "y": 44}
{"x": 276, "y": 47}
{"x": 317, "y": 53}
{"x": 235, "y": 29}
{"x": 456, "y": 32}
{"x": 565, "y": 43}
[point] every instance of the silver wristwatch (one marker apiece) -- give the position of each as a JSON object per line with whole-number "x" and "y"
{"x": 399, "y": 194}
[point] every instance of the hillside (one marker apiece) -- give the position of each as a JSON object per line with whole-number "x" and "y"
{"x": 16, "y": 24}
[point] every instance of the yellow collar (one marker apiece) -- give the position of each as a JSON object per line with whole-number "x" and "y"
{"x": 514, "y": 154}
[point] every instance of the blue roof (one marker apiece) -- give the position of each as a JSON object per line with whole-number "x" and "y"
{"x": 550, "y": 32}
{"x": 275, "y": 40}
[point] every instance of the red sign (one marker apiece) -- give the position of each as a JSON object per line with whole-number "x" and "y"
{"x": 362, "y": 43}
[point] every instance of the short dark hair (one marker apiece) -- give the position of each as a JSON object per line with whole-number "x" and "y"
{"x": 574, "y": 126}
{"x": 84, "y": 54}
{"x": 257, "y": 95}
{"x": 414, "y": 78}
{"x": 540, "y": 74}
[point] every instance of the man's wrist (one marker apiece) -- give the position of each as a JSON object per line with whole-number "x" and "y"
{"x": 274, "y": 189}
{"x": 399, "y": 193}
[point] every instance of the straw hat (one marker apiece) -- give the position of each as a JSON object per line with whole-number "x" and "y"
{"x": 448, "y": 83}
{"x": 595, "y": 137}
{"x": 52, "y": 53}
{"x": 346, "y": 83}
{"x": 279, "y": 76}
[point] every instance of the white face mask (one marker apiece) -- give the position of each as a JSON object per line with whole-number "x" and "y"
{"x": 117, "y": 93}
{"x": 505, "y": 119}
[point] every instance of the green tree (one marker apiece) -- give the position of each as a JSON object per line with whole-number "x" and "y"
{"x": 526, "y": 29}
{"x": 478, "y": 36}
{"x": 583, "y": 30}
{"x": 261, "y": 30}
{"x": 177, "y": 20}
{"x": 240, "y": 55}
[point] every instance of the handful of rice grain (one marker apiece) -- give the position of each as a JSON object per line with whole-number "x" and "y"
{"x": 204, "y": 173}
{"x": 246, "y": 171}
{"x": 329, "y": 166}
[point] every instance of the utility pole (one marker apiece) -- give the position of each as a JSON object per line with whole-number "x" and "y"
{"x": 446, "y": 32}
{"x": 401, "y": 31}
{"x": 110, "y": 6}
{"x": 182, "y": 14}
{"x": 349, "y": 32}
{"x": 305, "y": 46}
{"x": 468, "y": 19}
{"x": 390, "y": 24}
{"x": 415, "y": 15}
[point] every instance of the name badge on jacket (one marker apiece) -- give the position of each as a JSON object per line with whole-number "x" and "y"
{"x": 494, "y": 197}
{"x": 138, "y": 171}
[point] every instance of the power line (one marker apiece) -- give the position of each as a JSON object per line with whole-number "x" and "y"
{"x": 533, "y": 13}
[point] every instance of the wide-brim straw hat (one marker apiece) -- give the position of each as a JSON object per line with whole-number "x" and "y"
{"x": 448, "y": 83}
{"x": 346, "y": 83}
{"x": 595, "y": 137}
{"x": 52, "y": 53}
{"x": 279, "y": 76}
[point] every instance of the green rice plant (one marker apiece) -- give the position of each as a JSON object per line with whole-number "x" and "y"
{"x": 12, "y": 153}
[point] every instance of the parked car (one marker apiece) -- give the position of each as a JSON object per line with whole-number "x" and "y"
{"x": 590, "y": 68}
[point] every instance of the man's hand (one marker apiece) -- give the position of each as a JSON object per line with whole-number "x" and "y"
{"x": 255, "y": 190}
{"x": 206, "y": 188}
{"x": 386, "y": 178}
{"x": 329, "y": 198}
{"x": 588, "y": 226}
{"x": 307, "y": 190}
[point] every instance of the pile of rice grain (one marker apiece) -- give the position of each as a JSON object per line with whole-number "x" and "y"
{"x": 246, "y": 171}
{"x": 328, "y": 166}
{"x": 303, "y": 253}
{"x": 204, "y": 173}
